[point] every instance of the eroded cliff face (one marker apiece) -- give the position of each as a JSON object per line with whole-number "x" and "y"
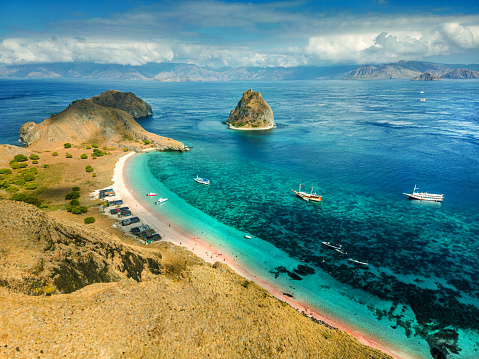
{"x": 128, "y": 102}
{"x": 43, "y": 255}
{"x": 252, "y": 113}
{"x": 85, "y": 121}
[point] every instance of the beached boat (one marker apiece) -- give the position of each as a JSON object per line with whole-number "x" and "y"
{"x": 151, "y": 194}
{"x": 202, "y": 180}
{"x": 161, "y": 200}
{"x": 358, "y": 262}
{"x": 424, "y": 196}
{"x": 310, "y": 197}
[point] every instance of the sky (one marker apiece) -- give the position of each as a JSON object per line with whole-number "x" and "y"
{"x": 239, "y": 33}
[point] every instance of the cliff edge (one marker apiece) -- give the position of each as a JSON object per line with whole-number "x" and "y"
{"x": 85, "y": 121}
{"x": 251, "y": 113}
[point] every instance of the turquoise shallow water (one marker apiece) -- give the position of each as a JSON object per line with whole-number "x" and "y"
{"x": 360, "y": 144}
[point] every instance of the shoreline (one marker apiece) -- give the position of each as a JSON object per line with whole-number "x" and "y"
{"x": 210, "y": 254}
{"x": 231, "y": 127}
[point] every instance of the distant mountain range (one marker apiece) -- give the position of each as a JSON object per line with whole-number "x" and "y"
{"x": 170, "y": 72}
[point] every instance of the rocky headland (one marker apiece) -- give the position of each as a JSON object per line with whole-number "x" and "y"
{"x": 251, "y": 113}
{"x": 101, "y": 120}
{"x": 461, "y": 74}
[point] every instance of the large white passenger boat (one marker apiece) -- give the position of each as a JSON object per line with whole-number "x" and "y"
{"x": 424, "y": 196}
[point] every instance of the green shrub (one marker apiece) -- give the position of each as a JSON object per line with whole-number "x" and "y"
{"x": 67, "y": 145}
{"x": 20, "y": 158}
{"x": 11, "y": 189}
{"x": 79, "y": 210}
{"x": 27, "y": 198}
{"x": 84, "y": 156}
{"x": 76, "y": 189}
{"x": 72, "y": 195}
{"x": 28, "y": 177}
{"x": 46, "y": 166}
{"x": 55, "y": 154}
{"x": 93, "y": 174}
{"x": 20, "y": 182}
{"x": 104, "y": 148}
{"x": 94, "y": 145}
{"x": 31, "y": 186}
{"x": 89, "y": 168}
{"x": 146, "y": 142}
{"x": 75, "y": 202}
{"x": 34, "y": 157}
{"x": 5, "y": 171}
{"x": 69, "y": 155}
{"x": 4, "y": 184}
{"x": 15, "y": 165}
{"x": 88, "y": 147}
{"x": 125, "y": 149}
{"x": 89, "y": 220}
{"x": 98, "y": 153}
{"x": 35, "y": 162}
{"x": 32, "y": 170}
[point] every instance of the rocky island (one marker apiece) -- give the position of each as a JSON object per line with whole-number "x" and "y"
{"x": 104, "y": 119}
{"x": 426, "y": 76}
{"x": 251, "y": 113}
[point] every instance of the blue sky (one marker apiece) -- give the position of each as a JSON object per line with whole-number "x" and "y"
{"x": 239, "y": 33}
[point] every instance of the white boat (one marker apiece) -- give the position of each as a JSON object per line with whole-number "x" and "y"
{"x": 310, "y": 197}
{"x": 249, "y": 237}
{"x": 202, "y": 180}
{"x": 333, "y": 245}
{"x": 359, "y": 262}
{"x": 424, "y": 196}
{"x": 151, "y": 194}
{"x": 161, "y": 200}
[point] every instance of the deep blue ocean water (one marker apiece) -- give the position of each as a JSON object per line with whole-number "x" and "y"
{"x": 360, "y": 144}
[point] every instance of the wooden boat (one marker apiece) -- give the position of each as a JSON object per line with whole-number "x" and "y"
{"x": 310, "y": 197}
{"x": 424, "y": 196}
{"x": 202, "y": 180}
{"x": 161, "y": 200}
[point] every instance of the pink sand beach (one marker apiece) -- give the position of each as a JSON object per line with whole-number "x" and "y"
{"x": 204, "y": 250}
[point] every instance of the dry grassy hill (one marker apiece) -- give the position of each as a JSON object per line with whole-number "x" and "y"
{"x": 155, "y": 302}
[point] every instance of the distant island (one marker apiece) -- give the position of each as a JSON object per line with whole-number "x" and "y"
{"x": 251, "y": 113}
{"x": 178, "y": 72}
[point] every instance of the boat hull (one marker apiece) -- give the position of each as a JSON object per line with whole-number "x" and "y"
{"x": 425, "y": 197}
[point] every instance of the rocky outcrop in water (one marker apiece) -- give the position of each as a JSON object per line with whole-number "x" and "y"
{"x": 251, "y": 113}
{"x": 85, "y": 121}
{"x": 127, "y": 102}
{"x": 426, "y": 77}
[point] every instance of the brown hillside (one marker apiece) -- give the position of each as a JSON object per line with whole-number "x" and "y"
{"x": 87, "y": 122}
{"x": 42, "y": 254}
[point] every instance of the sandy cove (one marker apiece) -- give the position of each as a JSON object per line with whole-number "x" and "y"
{"x": 204, "y": 250}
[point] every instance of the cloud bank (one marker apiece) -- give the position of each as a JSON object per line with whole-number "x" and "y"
{"x": 213, "y": 33}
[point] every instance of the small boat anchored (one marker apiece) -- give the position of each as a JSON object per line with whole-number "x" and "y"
{"x": 358, "y": 262}
{"x": 151, "y": 194}
{"x": 246, "y": 236}
{"x": 310, "y": 197}
{"x": 424, "y": 196}
{"x": 202, "y": 180}
{"x": 161, "y": 200}
{"x": 335, "y": 246}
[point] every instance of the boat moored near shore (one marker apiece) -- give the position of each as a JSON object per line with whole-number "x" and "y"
{"x": 202, "y": 180}
{"x": 310, "y": 197}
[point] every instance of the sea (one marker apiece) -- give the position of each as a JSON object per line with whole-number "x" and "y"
{"x": 361, "y": 145}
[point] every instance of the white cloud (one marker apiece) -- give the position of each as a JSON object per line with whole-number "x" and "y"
{"x": 22, "y": 50}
